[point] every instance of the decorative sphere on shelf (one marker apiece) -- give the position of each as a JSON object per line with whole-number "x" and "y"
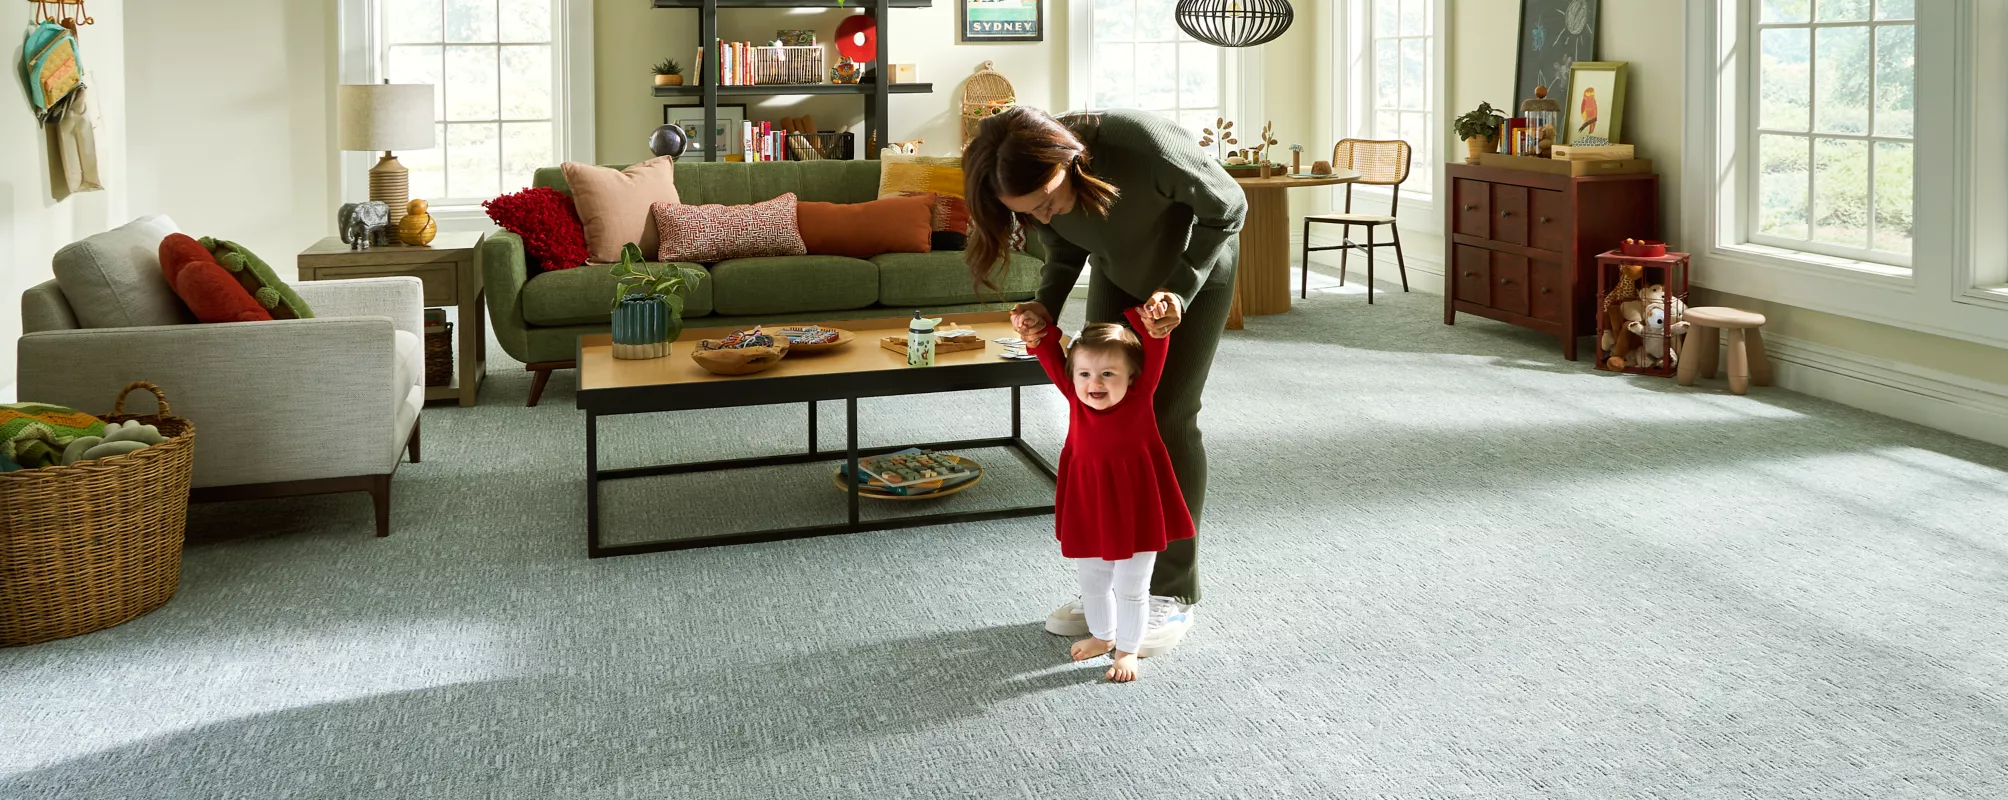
{"x": 667, "y": 140}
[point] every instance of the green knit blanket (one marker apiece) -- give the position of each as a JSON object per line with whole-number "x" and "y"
{"x": 34, "y": 434}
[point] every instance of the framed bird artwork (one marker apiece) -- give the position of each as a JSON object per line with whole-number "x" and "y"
{"x": 1596, "y": 106}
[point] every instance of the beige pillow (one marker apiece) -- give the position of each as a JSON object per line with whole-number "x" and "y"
{"x": 614, "y": 204}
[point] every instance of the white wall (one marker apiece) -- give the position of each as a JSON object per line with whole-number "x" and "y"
{"x": 234, "y": 113}
{"x": 631, "y": 36}
{"x": 34, "y": 224}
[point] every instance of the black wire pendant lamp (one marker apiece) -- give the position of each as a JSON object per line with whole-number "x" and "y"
{"x": 1235, "y": 23}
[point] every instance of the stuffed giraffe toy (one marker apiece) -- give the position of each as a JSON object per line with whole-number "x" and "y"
{"x": 1615, "y": 340}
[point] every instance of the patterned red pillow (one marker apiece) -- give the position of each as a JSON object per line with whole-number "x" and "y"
{"x": 553, "y": 236}
{"x": 709, "y": 234}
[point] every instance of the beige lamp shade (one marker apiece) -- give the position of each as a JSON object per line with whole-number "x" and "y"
{"x": 384, "y": 116}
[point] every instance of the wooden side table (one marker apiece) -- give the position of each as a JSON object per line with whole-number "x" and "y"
{"x": 1262, "y": 281}
{"x": 452, "y": 278}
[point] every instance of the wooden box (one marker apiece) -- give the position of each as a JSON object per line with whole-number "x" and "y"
{"x": 1609, "y": 152}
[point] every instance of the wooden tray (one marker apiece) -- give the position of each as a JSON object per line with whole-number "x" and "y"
{"x": 844, "y": 337}
{"x": 897, "y": 344}
{"x": 1554, "y": 166}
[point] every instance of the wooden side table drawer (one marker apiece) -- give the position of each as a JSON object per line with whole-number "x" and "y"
{"x": 1552, "y": 291}
{"x": 1473, "y": 278}
{"x": 1509, "y": 283}
{"x": 442, "y": 285}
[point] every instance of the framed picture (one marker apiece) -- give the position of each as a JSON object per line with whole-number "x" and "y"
{"x": 1596, "y": 102}
{"x": 691, "y": 120}
{"x": 1002, "y": 20}
{"x": 1553, "y": 35}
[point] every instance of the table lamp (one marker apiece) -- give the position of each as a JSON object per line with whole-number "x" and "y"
{"x": 385, "y": 117}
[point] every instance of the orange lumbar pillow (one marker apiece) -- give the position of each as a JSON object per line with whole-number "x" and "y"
{"x": 206, "y": 287}
{"x": 863, "y": 230}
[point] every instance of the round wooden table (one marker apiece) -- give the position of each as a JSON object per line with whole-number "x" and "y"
{"x": 1262, "y": 284}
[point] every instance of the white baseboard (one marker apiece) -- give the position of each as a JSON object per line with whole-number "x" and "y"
{"x": 1953, "y": 403}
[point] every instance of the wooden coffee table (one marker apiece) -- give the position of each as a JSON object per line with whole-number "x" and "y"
{"x": 610, "y": 386}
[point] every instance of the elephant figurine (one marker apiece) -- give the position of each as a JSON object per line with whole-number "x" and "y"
{"x": 364, "y": 225}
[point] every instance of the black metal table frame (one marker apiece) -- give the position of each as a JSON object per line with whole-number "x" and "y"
{"x": 848, "y": 387}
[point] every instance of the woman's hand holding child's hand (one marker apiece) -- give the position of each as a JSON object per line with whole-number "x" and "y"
{"x": 1161, "y": 313}
{"x": 1030, "y": 320}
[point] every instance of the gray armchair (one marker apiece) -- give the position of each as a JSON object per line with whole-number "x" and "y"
{"x": 286, "y": 407}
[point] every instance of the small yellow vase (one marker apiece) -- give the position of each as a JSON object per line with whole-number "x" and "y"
{"x": 417, "y": 227}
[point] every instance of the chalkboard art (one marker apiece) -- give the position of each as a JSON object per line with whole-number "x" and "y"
{"x": 1553, "y": 35}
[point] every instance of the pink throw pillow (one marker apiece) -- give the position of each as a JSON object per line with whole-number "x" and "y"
{"x": 614, "y": 204}
{"x": 709, "y": 234}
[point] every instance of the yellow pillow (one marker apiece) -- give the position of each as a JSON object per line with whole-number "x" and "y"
{"x": 901, "y": 174}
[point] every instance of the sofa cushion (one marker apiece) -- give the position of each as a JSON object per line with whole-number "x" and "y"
{"x": 613, "y": 204}
{"x": 736, "y": 183}
{"x": 258, "y": 278}
{"x": 920, "y": 280}
{"x": 712, "y": 233}
{"x": 113, "y": 279}
{"x": 791, "y": 284}
{"x": 547, "y": 222}
{"x": 410, "y": 366}
{"x": 585, "y": 296}
{"x": 208, "y": 289}
{"x": 863, "y": 230}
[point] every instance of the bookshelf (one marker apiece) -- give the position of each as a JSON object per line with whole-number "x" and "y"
{"x": 876, "y": 93}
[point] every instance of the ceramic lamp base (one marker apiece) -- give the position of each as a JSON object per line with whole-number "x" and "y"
{"x": 390, "y": 183}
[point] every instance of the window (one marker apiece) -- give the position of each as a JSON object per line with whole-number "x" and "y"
{"x": 1139, "y": 58}
{"x": 1832, "y": 105}
{"x": 1388, "y": 82}
{"x": 496, "y": 66}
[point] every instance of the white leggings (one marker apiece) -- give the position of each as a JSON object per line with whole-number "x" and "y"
{"x": 1115, "y": 595}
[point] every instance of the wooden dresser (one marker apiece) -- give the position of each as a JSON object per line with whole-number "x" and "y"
{"x": 1523, "y": 244}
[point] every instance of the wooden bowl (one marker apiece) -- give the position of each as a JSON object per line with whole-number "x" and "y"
{"x": 844, "y": 337}
{"x": 738, "y": 360}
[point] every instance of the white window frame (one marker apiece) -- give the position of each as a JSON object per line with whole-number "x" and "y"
{"x": 1240, "y": 71}
{"x": 361, "y": 60}
{"x": 1863, "y": 258}
{"x": 1354, "y": 107}
{"x": 1961, "y": 192}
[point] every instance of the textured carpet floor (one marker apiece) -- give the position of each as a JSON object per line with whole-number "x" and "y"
{"x": 1439, "y": 562}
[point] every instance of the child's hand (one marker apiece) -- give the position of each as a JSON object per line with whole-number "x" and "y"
{"x": 1161, "y": 313}
{"x": 1030, "y": 320}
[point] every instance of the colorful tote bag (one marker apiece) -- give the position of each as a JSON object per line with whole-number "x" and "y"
{"x": 51, "y": 66}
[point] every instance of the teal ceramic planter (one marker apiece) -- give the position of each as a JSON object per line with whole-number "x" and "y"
{"x": 644, "y": 325}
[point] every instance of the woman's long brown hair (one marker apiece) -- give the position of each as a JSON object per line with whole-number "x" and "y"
{"x": 1016, "y": 153}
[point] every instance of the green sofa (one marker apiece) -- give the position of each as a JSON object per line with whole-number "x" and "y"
{"x": 538, "y": 318}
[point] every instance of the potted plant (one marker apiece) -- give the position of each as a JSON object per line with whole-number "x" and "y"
{"x": 648, "y": 304}
{"x": 668, "y": 73}
{"x": 1477, "y": 128}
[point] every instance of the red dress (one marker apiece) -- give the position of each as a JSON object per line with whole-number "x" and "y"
{"x": 1117, "y": 495}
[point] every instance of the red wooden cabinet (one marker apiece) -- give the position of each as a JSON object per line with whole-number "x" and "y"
{"x": 1523, "y": 245}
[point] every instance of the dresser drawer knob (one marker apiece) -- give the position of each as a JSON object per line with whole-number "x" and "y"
{"x": 1470, "y": 207}
{"x": 1505, "y": 213}
{"x": 1503, "y": 281}
{"x": 1470, "y": 274}
{"x": 1545, "y": 219}
{"x": 1545, "y": 290}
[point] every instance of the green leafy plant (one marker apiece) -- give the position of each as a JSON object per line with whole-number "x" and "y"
{"x": 634, "y": 276}
{"x": 1481, "y": 121}
{"x": 668, "y": 67}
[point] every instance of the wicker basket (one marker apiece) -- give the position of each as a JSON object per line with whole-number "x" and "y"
{"x": 984, "y": 94}
{"x": 439, "y": 354}
{"x": 97, "y": 543}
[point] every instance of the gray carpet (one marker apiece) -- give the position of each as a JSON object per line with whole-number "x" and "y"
{"x": 1439, "y": 562}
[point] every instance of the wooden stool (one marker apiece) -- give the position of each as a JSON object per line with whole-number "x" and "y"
{"x": 1747, "y": 362}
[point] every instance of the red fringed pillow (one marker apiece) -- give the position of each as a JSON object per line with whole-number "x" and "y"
{"x": 553, "y": 236}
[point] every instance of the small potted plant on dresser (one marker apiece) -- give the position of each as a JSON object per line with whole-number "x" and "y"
{"x": 648, "y": 304}
{"x": 1477, "y": 128}
{"x": 668, "y": 73}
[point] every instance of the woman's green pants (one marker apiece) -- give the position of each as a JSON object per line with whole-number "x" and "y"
{"x": 1185, "y": 368}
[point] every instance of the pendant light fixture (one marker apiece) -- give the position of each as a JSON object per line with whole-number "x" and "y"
{"x": 1235, "y": 23}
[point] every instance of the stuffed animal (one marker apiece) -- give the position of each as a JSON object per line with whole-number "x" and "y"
{"x": 1617, "y": 339}
{"x": 364, "y": 225}
{"x": 1659, "y": 331}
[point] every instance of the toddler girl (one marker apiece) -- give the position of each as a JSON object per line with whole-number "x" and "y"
{"x": 1117, "y": 503}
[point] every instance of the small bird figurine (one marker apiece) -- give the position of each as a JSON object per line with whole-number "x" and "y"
{"x": 417, "y": 227}
{"x": 1589, "y": 111}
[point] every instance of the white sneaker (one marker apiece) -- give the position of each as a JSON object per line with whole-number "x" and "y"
{"x": 1068, "y": 620}
{"x": 1169, "y": 621}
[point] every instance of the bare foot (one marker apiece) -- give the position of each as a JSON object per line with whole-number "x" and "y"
{"x": 1124, "y": 670}
{"x": 1090, "y": 647}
